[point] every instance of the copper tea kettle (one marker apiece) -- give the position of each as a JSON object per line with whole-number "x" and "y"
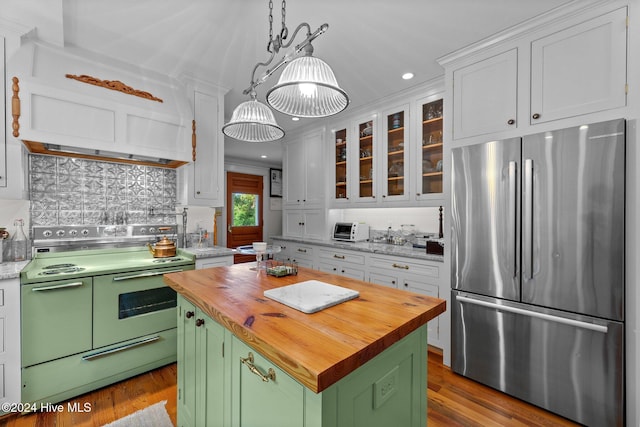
{"x": 163, "y": 249}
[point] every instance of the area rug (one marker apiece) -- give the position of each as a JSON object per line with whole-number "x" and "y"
{"x": 152, "y": 416}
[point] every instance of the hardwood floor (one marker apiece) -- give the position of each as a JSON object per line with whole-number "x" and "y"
{"x": 452, "y": 401}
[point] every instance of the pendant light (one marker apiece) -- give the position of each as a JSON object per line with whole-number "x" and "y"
{"x": 306, "y": 88}
{"x": 252, "y": 121}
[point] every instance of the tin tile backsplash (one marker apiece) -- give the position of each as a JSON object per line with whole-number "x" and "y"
{"x": 69, "y": 190}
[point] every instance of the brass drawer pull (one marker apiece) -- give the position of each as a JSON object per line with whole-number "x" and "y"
{"x": 302, "y": 250}
{"x": 405, "y": 267}
{"x": 338, "y": 256}
{"x": 248, "y": 361}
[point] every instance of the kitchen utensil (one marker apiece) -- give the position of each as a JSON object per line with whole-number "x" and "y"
{"x": 163, "y": 249}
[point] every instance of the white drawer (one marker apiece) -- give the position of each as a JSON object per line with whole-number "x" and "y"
{"x": 331, "y": 255}
{"x": 1, "y": 297}
{"x": 345, "y": 271}
{"x": 402, "y": 265}
{"x": 297, "y": 251}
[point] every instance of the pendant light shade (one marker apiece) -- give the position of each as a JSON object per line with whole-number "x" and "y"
{"x": 252, "y": 121}
{"x": 307, "y": 88}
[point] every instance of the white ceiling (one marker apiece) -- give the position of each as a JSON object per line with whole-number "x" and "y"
{"x": 369, "y": 43}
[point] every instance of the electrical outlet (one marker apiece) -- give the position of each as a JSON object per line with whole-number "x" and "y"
{"x": 385, "y": 387}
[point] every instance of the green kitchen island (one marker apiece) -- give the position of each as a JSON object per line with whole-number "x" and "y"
{"x": 245, "y": 360}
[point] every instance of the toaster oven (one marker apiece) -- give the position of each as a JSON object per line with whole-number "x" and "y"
{"x": 350, "y": 231}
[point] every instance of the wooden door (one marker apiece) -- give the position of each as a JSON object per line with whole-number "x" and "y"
{"x": 244, "y": 212}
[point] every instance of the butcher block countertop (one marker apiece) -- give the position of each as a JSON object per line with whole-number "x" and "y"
{"x": 316, "y": 349}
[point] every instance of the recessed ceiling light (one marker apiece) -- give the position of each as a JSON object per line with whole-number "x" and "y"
{"x": 295, "y": 119}
{"x": 263, "y": 156}
{"x": 407, "y": 76}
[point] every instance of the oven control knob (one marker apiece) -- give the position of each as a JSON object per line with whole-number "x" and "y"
{"x": 85, "y": 232}
{"x": 47, "y": 233}
{"x": 152, "y": 230}
{"x": 73, "y": 233}
{"x": 143, "y": 230}
{"x": 60, "y": 233}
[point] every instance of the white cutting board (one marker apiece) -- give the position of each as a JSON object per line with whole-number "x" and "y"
{"x": 311, "y": 296}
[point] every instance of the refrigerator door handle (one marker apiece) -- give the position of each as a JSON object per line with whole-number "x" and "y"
{"x": 513, "y": 212}
{"x": 527, "y": 238}
{"x": 544, "y": 316}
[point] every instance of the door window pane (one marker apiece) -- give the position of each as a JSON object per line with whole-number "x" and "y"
{"x": 245, "y": 209}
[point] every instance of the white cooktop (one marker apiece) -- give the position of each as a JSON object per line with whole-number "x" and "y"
{"x": 311, "y": 296}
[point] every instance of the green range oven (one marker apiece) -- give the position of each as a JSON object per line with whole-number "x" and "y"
{"x": 92, "y": 317}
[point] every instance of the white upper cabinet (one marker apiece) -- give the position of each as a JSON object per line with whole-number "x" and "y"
{"x": 485, "y": 95}
{"x": 581, "y": 69}
{"x": 304, "y": 172}
{"x": 202, "y": 181}
{"x": 559, "y": 71}
{"x": 394, "y": 155}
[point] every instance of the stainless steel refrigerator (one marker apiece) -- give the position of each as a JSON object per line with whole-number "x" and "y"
{"x": 538, "y": 269}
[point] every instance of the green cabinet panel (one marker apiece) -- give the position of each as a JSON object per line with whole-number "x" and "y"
{"x": 216, "y": 390}
{"x": 200, "y": 368}
{"x": 47, "y": 331}
{"x": 278, "y": 402}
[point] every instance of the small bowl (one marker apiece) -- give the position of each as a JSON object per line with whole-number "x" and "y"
{"x": 260, "y": 246}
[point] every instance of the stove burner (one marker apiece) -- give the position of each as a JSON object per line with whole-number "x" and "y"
{"x": 57, "y": 266}
{"x": 51, "y": 271}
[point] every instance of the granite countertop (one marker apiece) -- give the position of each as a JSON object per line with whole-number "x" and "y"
{"x": 11, "y": 270}
{"x": 209, "y": 252}
{"x": 371, "y": 247}
{"x": 316, "y": 349}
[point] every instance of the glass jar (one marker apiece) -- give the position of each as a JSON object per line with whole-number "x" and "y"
{"x": 19, "y": 242}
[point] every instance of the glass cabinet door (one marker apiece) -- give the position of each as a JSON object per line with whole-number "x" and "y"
{"x": 395, "y": 156}
{"x": 431, "y": 158}
{"x": 366, "y": 188}
{"x": 341, "y": 188}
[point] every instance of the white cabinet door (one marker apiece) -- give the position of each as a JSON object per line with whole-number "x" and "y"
{"x": 201, "y": 182}
{"x": 394, "y": 154}
{"x": 485, "y": 96}
{"x": 418, "y": 285}
{"x": 208, "y": 167}
{"x": 294, "y": 174}
{"x": 10, "y": 384}
{"x": 308, "y": 224}
{"x": 581, "y": 69}
{"x": 304, "y": 172}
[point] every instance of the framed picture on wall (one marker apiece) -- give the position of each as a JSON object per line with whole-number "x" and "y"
{"x": 275, "y": 178}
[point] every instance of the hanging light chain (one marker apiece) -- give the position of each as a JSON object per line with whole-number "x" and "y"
{"x": 270, "y": 42}
{"x": 285, "y": 31}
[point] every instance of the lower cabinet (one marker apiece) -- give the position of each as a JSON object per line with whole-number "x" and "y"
{"x": 200, "y": 368}
{"x": 421, "y": 277}
{"x": 224, "y": 382}
{"x": 219, "y": 261}
{"x": 9, "y": 341}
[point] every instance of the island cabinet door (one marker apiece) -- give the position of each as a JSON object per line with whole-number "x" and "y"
{"x": 200, "y": 368}
{"x": 259, "y": 398}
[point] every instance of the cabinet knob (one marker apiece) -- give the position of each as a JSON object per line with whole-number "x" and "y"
{"x": 335, "y": 269}
{"x": 393, "y": 282}
{"x": 406, "y": 285}
{"x": 189, "y": 314}
{"x": 342, "y": 271}
{"x": 197, "y": 192}
{"x": 536, "y": 116}
{"x": 384, "y": 195}
{"x": 199, "y": 322}
{"x": 511, "y": 122}
{"x": 304, "y": 200}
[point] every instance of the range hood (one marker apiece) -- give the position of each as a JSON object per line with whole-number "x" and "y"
{"x": 108, "y": 156}
{"x": 68, "y": 102}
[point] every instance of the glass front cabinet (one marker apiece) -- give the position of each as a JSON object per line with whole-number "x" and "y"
{"x": 366, "y": 167}
{"x": 393, "y": 157}
{"x": 430, "y": 145}
{"x": 395, "y": 154}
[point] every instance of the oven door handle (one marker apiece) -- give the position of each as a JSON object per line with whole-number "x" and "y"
{"x": 146, "y": 274}
{"x": 121, "y": 348}
{"x": 54, "y": 287}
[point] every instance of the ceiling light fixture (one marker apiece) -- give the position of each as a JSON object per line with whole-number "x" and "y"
{"x": 407, "y": 76}
{"x": 307, "y": 87}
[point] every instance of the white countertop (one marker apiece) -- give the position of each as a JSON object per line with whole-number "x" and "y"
{"x": 376, "y": 248}
{"x": 11, "y": 270}
{"x": 209, "y": 252}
